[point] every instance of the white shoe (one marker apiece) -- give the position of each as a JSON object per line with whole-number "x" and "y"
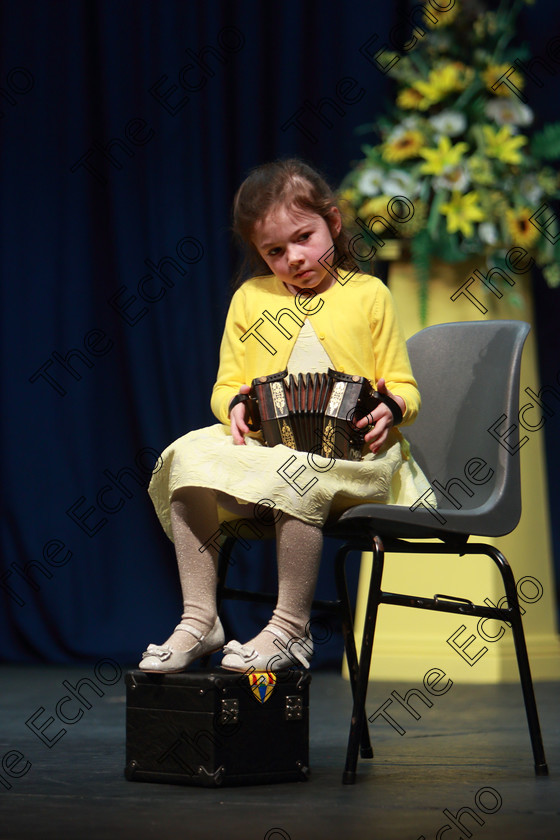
{"x": 161, "y": 659}
{"x": 291, "y": 652}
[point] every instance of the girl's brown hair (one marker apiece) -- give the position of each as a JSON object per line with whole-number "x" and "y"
{"x": 287, "y": 183}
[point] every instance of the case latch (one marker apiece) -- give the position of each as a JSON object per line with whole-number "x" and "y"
{"x": 294, "y": 707}
{"x": 229, "y": 711}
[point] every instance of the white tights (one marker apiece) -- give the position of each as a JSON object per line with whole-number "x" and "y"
{"x": 194, "y": 519}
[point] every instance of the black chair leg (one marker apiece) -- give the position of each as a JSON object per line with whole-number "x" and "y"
{"x": 541, "y": 768}
{"x": 366, "y": 750}
{"x": 359, "y": 711}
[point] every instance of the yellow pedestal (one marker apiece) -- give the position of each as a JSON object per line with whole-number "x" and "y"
{"x": 410, "y": 642}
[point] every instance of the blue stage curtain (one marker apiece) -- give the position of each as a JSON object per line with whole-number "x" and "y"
{"x": 126, "y": 127}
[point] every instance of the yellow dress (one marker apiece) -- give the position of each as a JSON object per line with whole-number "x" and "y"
{"x": 311, "y": 488}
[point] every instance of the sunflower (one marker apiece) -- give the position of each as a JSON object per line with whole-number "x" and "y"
{"x": 522, "y": 230}
{"x": 402, "y": 145}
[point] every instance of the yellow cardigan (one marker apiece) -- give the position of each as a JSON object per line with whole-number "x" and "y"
{"x": 354, "y": 320}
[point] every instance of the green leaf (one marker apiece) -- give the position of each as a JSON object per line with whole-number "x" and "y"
{"x": 545, "y": 144}
{"x": 468, "y": 96}
{"x": 420, "y": 63}
{"x": 516, "y": 300}
{"x": 434, "y": 216}
{"x": 368, "y": 128}
{"x": 448, "y": 248}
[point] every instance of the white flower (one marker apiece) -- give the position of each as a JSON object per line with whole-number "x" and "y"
{"x": 410, "y": 122}
{"x": 455, "y": 178}
{"x": 400, "y": 182}
{"x": 509, "y": 111}
{"x": 488, "y": 233}
{"x": 396, "y": 132}
{"x": 449, "y": 122}
{"x": 370, "y": 180}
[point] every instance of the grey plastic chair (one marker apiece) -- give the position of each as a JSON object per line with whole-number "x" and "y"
{"x": 468, "y": 375}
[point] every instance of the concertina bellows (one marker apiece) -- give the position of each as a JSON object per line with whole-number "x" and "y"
{"x": 314, "y": 412}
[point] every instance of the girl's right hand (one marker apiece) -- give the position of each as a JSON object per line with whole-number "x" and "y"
{"x": 239, "y": 427}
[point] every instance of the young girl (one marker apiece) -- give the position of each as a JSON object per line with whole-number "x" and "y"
{"x": 306, "y": 308}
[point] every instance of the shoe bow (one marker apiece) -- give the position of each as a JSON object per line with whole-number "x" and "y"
{"x": 162, "y": 653}
{"x": 295, "y": 651}
{"x": 246, "y": 653}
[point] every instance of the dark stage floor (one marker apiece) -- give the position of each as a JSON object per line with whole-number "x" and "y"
{"x": 472, "y": 738}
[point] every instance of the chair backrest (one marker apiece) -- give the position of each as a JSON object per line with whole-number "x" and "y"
{"x": 468, "y": 376}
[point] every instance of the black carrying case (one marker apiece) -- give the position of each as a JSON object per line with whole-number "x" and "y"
{"x": 212, "y": 728}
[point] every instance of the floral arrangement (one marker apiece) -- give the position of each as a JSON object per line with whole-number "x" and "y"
{"x": 458, "y": 150}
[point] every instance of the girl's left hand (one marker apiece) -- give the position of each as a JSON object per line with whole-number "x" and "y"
{"x": 382, "y": 418}
{"x": 239, "y": 427}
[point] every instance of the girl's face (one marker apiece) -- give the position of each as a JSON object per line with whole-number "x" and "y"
{"x": 292, "y": 241}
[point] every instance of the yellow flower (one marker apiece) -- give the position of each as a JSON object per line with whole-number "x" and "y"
{"x": 486, "y": 23}
{"x": 461, "y": 212}
{"x": 409, "y": 98}
{"x": 374, "y": 207}
{"x": 494, "y": 72}
{"x": 404, "y": 145}
{"x": 345, "y": 201}
{"x": 523, "y": 232}
{"x": 444, "y": 18}
{"x": 463, "y": 74}
{"x": 443, "y": 80}
{"x": 444, "y": 156}
{"x": 502, "y": 144}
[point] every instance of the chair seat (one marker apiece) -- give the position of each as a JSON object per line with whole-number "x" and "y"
{"x": 400, "y": 521}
